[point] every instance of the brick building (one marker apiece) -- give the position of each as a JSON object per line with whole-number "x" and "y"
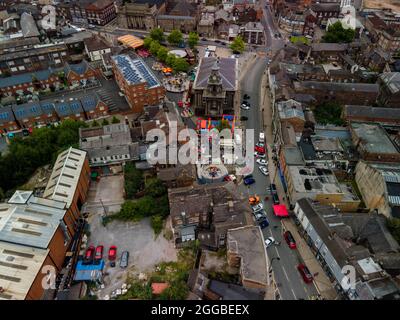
{"x": 344, "y": 93}
{"x": 140, "y": 86}
{"x": 80, "y": 73}
{"x": 101, "y": 12}
{"x": 8, "y": 122}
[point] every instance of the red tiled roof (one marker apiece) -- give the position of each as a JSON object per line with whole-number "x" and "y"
{"x": 159, "y": 287}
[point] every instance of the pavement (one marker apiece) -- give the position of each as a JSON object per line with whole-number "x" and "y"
{"x": 322, "y": 283}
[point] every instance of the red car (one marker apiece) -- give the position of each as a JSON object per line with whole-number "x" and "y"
{"x": 112, "y": 253}
{"x": 290, "y": 240}
{"x": 99, "y": 253}
{"x": 89, "y": 255}
{"x": 305, "y": 273}
{"x": 259, "y": 149}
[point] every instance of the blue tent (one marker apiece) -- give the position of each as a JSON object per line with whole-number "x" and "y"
{"x": 89, "y": 272}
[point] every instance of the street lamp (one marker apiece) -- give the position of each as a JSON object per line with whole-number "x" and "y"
{"x": 274, "y": 258}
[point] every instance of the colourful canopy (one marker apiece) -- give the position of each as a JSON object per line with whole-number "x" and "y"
{"x": 280, "y": 210}
{"x": 131, "y": 41}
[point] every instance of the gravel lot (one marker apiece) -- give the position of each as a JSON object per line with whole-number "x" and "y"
{"x": 138, "y": 238}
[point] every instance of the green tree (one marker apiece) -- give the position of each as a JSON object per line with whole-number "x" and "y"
{"x": 115, "y": 120}
{"x": 2, "y": 195}
{"x": 154, "y": 47}
{"x": 329, "y": 113}
{"x": 175, "y": 37}
{"x": 133, "y": 180}
{"x": 95, "y": 124}
{"x": 155, "y": 188}
{"x": 180, "y": 64}
{"x": 157, "y": 34}
{"x": 178, "y": 290}
{"x": 193, "y": 39}
{"x": 147, "y": 42}
{"x": 337, "y": 34}
{"x": 105, "y": 122}
{"x": 170, "y": 60}
{"x": 157, "y": 223}
{"x": 162, "y": 53}
{"x": 237, "y": 45}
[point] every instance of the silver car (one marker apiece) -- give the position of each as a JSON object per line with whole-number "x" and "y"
{"x": 123, "y": 263}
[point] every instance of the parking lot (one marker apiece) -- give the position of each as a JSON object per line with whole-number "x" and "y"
{"x": 135, "y": 237}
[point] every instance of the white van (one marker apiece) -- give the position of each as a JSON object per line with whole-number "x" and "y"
{"x": 261, "y": 137}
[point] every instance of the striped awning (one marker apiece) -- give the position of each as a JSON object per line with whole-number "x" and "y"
{"x": 130, "y": 41}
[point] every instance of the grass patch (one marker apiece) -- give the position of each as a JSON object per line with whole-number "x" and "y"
{"x": 174, "y": 273}
{"x": 329, "y": 113}
{"x": 299, "y": 39}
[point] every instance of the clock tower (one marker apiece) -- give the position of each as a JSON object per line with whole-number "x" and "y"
{"x": 214, "y": 82}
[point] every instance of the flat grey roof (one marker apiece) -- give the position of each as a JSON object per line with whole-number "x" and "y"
{"x": 32, "y": 223}
{"x": 248, "y": 243}
{"x": 373, "y": 137}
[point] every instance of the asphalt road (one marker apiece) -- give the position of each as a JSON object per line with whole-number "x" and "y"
{"x": 290, "y": 284}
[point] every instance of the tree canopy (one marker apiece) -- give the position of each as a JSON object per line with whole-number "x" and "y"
{"x": 157, "y": 34}
{"x": 337, "y": 34}
{"x": 329, "y": 113}
{"x": 193, "y": 39}
{"x": 175, "y": 37}
{"x": 27, "y": 154}
{"x": 237, "y": 45}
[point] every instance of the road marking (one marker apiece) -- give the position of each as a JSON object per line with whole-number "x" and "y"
{"x": 284, "y": 271}
{"x": 294, "y": 294}
{"x": 277, "y": 253}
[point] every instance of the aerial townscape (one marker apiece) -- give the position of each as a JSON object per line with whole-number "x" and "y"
{"x": 94, "y": 92}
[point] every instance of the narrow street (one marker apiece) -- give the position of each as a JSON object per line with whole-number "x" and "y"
{"x": 290, "y": 284}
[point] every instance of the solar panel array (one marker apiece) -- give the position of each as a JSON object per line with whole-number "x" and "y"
{"x": 88, "y": 103}
{"x": 135, "y": 71}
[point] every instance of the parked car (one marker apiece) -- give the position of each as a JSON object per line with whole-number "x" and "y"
{"x": 275, "y": 198}
{"x": 257, "y": 207}
{"x": 260, "y": 215}
{"x": 99, "y": 253}
{"x": 112, "y": 255}
{"x": 259, "y": 149}
{"x": 289, "y": 239}
{"x": 204, "y": 39}
{"x": 259, "y": 155}
{"x": 245, "y": 107}
{"x": 260, "y": 144}
{"x": 89, "y": 255}
{"x": 124, "y": 259}
{"x": 263, "y": 223}
{"x": 249, "y": 181}
{"x": 248, "y": 176}
{"x": 272, "y": 188}
{"x": 261, "y": 137}
{"x": 244, "y": 118}
{"x": 262, "y": 162}
{"x": 263, "y": 170}
{"x": 246, "y": 96}
{"x": 253, "y": 200}
{"x": 305, "y": 273}
{"x": 217, "y": 41}
{"x": 269, "y": 241}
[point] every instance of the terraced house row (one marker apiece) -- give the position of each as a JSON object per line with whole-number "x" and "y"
{"x": 36, "y": 114}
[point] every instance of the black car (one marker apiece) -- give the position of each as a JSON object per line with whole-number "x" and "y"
{"x": 246, "y": 96}
{"x": 217, "y": 41}
{"x": 272, "y": 188}
{"x": 246, "y": 102}
{"x": 243, "y": 118}
{"x": 248, "y": 176}
{"x": 204, "y": 39}
{"x": 275, "y": 198}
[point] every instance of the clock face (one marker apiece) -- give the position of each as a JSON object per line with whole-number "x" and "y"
{"x": 214, "y": 78}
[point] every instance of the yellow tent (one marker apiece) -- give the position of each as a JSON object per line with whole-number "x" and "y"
{"x": 131, "y": 41}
